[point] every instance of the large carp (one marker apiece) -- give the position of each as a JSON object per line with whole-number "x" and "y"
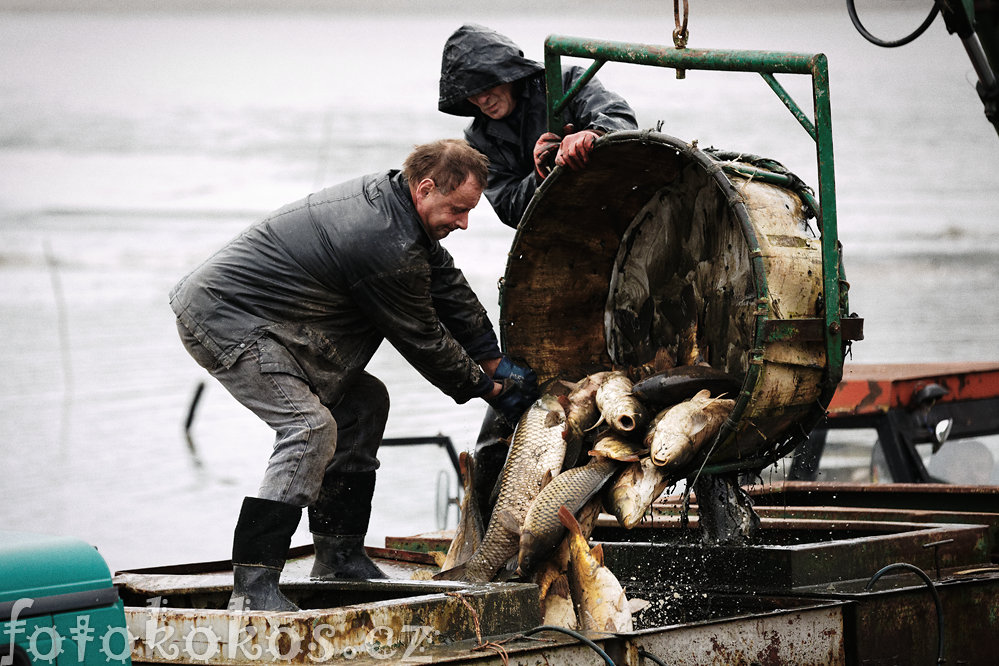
{"x": 581, "y": 414}
{"x": 618, "y": 407}
{"x": 536, "y": 453}
{"x": 598, "y": 594}
{"x": 573, "y": 488}
{"x": 557, "y": 608}
{"x": 614, "y": 447}
{"x": 635, "y": 489}
{"x": 682, "y": 430}
{"x": 684, "y": 382}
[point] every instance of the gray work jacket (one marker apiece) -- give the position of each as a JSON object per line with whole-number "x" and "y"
{"x": 321, "y": 282}
{"x": 477, "y": 58}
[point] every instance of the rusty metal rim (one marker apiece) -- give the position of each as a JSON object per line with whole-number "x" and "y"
{"x": 736, "y": 204}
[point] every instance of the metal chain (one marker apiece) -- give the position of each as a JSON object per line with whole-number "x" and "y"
{"x": 680, "y": 34}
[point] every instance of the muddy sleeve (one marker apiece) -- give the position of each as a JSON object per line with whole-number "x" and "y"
{"x": 400, "y": 306}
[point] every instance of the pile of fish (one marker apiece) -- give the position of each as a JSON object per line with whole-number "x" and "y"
{"x": 602, "y": 443}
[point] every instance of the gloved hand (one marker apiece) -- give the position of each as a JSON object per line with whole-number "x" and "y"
{"x": 544, "y": 148}
{"x": 574, "y": 151}
{"x": 512, "y": 401}
{"x": 521, "y": 374}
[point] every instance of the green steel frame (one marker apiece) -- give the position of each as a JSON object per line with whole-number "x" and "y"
{"x": 819, "y": 128}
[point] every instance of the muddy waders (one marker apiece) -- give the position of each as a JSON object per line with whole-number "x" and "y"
{"x": 259, "y": 550}
{"x": 339, "y": 522}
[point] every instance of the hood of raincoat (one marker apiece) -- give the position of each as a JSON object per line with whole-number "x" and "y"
{"x": 477, "y": 58}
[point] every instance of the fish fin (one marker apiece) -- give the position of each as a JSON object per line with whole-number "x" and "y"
{"x": 509, "y": 571}
{"x": 457, "y": 573}
{"x": 598, "y": 553}
{"x": 566, "y": 518}
{"x": 638, "y": 605}
{"x": 546, "y": 479}
{"x": 464, "y": 465}
{"x": 508, "y": 521}
{"x": 553, "y": 419}
{"x": 573, "y": 446}
{"x": 610, "y": 627}
{"x": 600, "y": 421}
{"x": 663, "y": 360}
{"x": 560, "y": 586}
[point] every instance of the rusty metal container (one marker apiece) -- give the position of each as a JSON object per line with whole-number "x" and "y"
{"x": 182, "y": 619}
{"x": 601, "y": 259}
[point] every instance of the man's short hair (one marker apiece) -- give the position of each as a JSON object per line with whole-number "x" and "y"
{"x": 447, "y": 162}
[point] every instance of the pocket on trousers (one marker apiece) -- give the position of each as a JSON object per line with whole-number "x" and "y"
{"x": 275, "y": 358}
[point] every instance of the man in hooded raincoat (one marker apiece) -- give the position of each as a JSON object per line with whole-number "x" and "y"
{"x": 287, "y": 316}
{"x": 486, "y": 76}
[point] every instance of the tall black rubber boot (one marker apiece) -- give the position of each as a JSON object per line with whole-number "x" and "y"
{"x": 259, "y": 550}
{"x": 339, "y": 522}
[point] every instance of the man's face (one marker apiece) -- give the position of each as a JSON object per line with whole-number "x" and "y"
{"x": 496, "y": 102}
{"x": 443, "y": 213}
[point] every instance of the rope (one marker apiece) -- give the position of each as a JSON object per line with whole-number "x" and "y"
{"x": 496, "y": 647}
{"x": 475, "y": 616}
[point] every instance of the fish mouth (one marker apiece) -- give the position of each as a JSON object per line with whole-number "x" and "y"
{"x": 626, "y": 423}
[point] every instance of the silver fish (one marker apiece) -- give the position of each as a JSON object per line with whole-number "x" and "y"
{"x": 468, "y": 534}
{"x": 598, "y": 594}
{"x": 613, "y": 446}
{"x": 682, "y": 430}
{"x": 618, "y": 407}
{"x": 536, "y": 453}
{"x": 581, "y": 411}
{"x": 557, "y": 608}
{"x": 542, "y": 530}
{"x": 635, "y": 489}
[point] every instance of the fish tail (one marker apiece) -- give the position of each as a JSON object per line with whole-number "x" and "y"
{"x": 456, "y": 573}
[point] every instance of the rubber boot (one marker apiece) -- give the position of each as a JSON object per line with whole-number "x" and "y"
{"x": 259, "y": 550}
{"x": 339, "y": 522}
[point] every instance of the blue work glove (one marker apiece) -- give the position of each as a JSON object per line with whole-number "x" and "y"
{"x": 512, "y": 401}
{"x": 521, "y": 374}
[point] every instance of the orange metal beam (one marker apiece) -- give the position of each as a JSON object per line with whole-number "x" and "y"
{"x": 871, "y": 388}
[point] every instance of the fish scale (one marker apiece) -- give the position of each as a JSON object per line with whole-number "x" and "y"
{"x": 537, "y": 449}
{"x": 542, "y": 529}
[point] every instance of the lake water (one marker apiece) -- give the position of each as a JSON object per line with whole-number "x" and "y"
{"x": 132, "y": 144}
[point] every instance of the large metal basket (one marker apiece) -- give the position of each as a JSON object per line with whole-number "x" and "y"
{"x": 596, "y": 272}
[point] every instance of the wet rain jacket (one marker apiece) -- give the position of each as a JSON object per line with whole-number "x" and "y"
{"x": 476, "y": 59}
{"x": 321, "y": 282}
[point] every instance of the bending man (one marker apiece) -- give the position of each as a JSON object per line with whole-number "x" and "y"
{"x": 289, "y": 313}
